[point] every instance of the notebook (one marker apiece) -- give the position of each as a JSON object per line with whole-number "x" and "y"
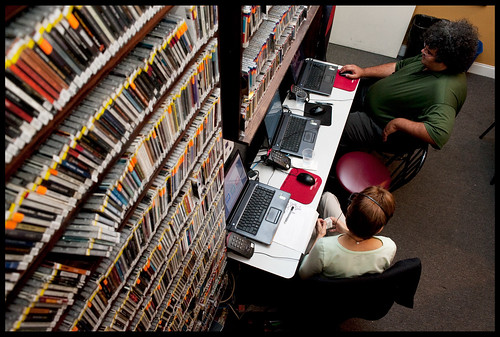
{"x": 259, "y": 221}
{"x": 316, "y": 76}
{"x": 288, "y": 132}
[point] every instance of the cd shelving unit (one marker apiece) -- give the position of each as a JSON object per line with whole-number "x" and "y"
{"x": 269, "y": 38}
{"x": 114, "y": 168}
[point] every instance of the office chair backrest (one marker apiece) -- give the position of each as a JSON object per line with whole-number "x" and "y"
{"x": 369, "y": 296}
{"x": 405, "y": 166}
{"x": 404, "y": 156}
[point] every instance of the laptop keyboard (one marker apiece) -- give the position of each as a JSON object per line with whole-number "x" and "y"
{"x": 315, "y": 77}
{"x": 255, "y": 210}
{"x": 293, "y": 134}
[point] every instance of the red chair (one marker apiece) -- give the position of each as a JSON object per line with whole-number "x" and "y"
{"x": 357, "y": 170}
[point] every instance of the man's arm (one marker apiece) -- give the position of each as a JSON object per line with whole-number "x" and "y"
{"x": 415, "y": 129}
{"x": 379, "y": 71}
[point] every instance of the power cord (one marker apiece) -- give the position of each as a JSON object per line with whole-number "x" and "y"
{"x": 278, "y": 257}
{"x": 332, "y": 100}
{"x": 272, "y": 174}
{"x": 232, "y": 291}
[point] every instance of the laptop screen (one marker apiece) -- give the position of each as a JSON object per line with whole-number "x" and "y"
{"x": 273, "y": 115}
{"x": 234, "y": 182}
{"x": 296, "y": 65}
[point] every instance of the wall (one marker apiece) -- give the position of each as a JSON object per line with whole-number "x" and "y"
{"x": 381, "y": 31}
{"x": 483, "y": 17}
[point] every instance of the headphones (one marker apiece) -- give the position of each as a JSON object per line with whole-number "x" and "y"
{"x": 367, "y": 196}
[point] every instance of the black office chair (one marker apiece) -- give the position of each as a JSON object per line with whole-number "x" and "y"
{"x": 321, "y": 301}
{"x": 405, "y": 164}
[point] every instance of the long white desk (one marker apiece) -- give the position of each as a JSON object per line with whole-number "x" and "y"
{"x": 283, "y": 255}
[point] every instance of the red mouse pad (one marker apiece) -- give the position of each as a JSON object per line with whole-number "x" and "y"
{"x": 344, "y": 83}
{"x": 299, "y": 191}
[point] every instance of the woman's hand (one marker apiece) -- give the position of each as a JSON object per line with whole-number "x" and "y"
{"x": 338, "y": 226}
{"x": 320, "y": 228}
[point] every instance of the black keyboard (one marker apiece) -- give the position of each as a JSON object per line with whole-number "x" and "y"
{"x": 255, "y": 210}
{"x": 315, "y": 77}
{"x": 293, "y": 134}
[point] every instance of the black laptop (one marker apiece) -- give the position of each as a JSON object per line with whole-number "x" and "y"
{"x": 253, "y": 209}
{"x": 288, "y": 132}
{"x": 313, "y": 75}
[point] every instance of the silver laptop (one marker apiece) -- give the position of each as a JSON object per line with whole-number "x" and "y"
{"x": 253, "y": 209}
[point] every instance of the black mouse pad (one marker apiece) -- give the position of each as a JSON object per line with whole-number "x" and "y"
{"x": 325, "y": 118}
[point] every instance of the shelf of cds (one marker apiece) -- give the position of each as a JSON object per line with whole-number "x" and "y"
{"x": 53, "y": 57}
{"x": 115, "y": 221}
{"x": 270, "y": 36}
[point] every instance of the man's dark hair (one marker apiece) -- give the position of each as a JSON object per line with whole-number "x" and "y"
{"x": 455, "y": 41}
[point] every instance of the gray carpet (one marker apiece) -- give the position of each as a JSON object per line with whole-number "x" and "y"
{"x": 446, "y": 217}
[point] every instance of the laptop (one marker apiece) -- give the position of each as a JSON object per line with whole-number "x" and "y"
{"x": 288, "y": 132}
{"x": 313, "y": 75}
{"x": 252, "y": 209}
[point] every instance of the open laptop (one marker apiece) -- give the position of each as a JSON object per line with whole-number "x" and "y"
{"x": 313, "y": 75}
{"x": 253, "y": 209}
{"x": 288, "y": 132}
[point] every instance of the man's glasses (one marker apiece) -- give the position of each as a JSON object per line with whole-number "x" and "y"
{"x": 426, "y": 51}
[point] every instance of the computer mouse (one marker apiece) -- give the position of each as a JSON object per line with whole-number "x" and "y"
{"x": 317, "y": 110}
{"x": 345, "y": 73}
{"x": 306, "y": 179}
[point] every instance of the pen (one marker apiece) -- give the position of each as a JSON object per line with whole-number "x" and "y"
{"x": 288, "y": 216}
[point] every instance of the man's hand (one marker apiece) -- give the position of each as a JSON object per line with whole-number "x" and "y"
{"x": 356, "y": 72}
{"x": 390, "y": 128}
{"x": 380, "y": 71}
{"x": 415, "y": 129}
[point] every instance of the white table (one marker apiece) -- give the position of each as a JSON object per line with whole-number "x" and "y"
{"x": 283, "y": 255}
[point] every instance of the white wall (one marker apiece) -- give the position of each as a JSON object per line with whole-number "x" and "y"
{"x": 376, "y": 29}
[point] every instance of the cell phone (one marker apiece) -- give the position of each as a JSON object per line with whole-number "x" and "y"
{"x": 329, "y": 223}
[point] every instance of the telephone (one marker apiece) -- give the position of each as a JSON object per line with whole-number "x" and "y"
{"x": 278, "y": 159}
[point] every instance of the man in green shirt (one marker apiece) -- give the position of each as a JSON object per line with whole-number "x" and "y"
{"x": 417, "y": 97}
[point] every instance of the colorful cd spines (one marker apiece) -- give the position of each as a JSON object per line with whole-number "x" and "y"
{"x": 104, "y": 119}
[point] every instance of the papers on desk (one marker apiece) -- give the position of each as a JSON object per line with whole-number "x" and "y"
{"x": 295, "y": 230}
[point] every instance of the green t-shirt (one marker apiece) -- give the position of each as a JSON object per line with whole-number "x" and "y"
{"x": 433, "y": 98}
